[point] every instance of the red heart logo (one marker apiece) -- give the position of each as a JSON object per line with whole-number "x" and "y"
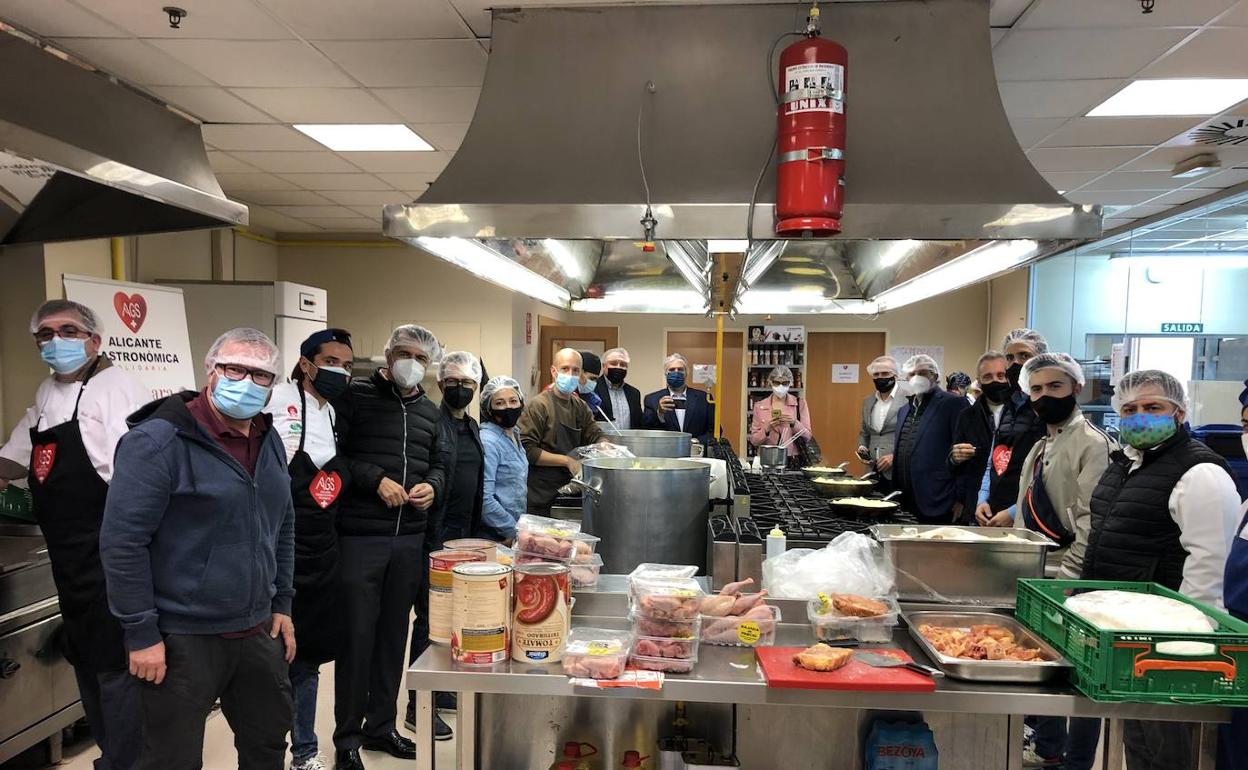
{"x": 132, "y": 310}
{"x": 325, "y": 488}
{"x": 1001, "y": 458}
{"x": 43, "y": 456}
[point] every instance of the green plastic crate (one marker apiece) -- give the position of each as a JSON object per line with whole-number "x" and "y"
{"x": 15, "y": 503}
{"x": 1125, "y": 665}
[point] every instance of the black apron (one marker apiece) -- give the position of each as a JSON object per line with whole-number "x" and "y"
{"x": 1039, "y": 514}
{"x": 316, "y": 611}
{"x": 69, "y": 497}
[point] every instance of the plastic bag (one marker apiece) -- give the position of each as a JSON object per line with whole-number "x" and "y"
{"x": 851, "y": 564}
{"x": 901, "y": 746}
{"x": 601, "y": 451}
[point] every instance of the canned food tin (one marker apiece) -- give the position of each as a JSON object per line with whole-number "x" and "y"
{"x": 540, "y": 613}
{"x": 486, "y": 547}
{"x": 440, "y": 565}
{"x": 480, "y": 613}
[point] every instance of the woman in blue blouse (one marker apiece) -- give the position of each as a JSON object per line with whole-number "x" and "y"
{"x": 506, "y": 466}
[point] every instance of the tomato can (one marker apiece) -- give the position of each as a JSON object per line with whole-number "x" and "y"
{"x": 440, "y": 565}
{"x": 541, "y": 612}
{"x": 487, "y": 547}
{"x": 480, "y": 613}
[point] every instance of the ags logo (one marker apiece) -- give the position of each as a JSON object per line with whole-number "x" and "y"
{"x": 44, "y": 456}
{"x": 293, "y": 411}
{"x": 325, "y": 488}
{"x": 132, "y": 310}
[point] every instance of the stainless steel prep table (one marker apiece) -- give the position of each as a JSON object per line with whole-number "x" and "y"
{"x": 977, "y": 725}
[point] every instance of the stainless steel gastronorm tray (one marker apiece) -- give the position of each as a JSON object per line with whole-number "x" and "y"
{"x": 987, "y": 670}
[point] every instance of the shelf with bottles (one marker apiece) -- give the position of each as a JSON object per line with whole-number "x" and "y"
{"x": 756, "y": 379}
{"x": 760, "y": 358}
{"x": 769, "y": 367}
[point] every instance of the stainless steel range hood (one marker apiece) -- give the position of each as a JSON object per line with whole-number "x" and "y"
{"x": 933, "y": 171}
{"x": 83, "y": 157}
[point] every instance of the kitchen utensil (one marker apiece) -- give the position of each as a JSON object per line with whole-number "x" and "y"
{"x": 781, "y": 672}
{"x": 891, "y": 496}
{"x": 654, "y": 443}
{"x": 879, "y": 660}
{"x": 801, "y": 431}
{"x": 1029, "y": 672}
{"x": 818, "y": 472}
{"x": 888, "y": 509}
{"x": 772, "y": 457}
{"x": 832, "y": 487}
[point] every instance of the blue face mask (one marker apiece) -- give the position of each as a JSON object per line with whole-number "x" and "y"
{"x": 567, "y": 383}
{"x": 1145, "y": 431}
{"x": 239, "y": 399}
{"x": 675, "y": 379}
{"x": 587, "y": 387}
{"x": 64, "y": 356}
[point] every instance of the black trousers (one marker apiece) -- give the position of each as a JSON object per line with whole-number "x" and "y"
{"x": 381, "y": 577}
{"x": 1159, "y": 745}
{"x": 248, "y": 675}
{"x": 113, "y": 703}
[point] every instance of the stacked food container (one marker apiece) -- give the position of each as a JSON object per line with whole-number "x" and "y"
{"x": 665, "y": 604}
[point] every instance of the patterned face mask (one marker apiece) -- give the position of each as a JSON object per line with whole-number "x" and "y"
{"x": 1145, "y": 431}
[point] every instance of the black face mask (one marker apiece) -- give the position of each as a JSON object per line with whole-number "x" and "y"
{"x": 1014, "y": 372}
{"x": 997, "y": 392}
{"x": 458, "y": 397}
{"x": 331, "y": 385}
{"x": 884, "y": 384}
{"x": 616, "y": 375}
{"x": 507, "y": 418}
{"x": 1054, "y": 410}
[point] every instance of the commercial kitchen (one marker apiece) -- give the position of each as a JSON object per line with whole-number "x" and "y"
{"x": 745, "y": 307}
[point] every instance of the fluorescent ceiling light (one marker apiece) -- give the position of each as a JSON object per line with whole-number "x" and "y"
{"x": 985, "y": 261}
{"x": 1177, "y": 96}
{"x": 763, "y": 301}
{"x": 644, "y": 301}
{"x": 488, "y": 264}
{"x": 727, "y": 247}
{"x": 365, "y": 137}
{"x": 898, "y": 250}
{"x": 1180, "y": 260}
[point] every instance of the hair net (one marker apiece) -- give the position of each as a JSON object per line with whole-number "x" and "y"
{"x": 882, "y": 361}
{"x": 621, "y": 352}
{"x": 781, "y": 372}
{"x": 261, "y": 352}
{"x": 54, "y": 306}
{"x": 673, "y": 358}
{"x": 461, "y": 365}
{"x": 417, "y": 336}
{"x": 501, "y": 382}
{"x": 958, "y": 380}
{"x": 590, "y": 362}
{"x": 1030, "y": 336}
{"x": 1061, "y": 361}
{"x": 1129, "y": 387}
{"x": 921, "y": 361}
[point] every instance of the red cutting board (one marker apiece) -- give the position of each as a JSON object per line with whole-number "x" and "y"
{"x": 781, "y": 672}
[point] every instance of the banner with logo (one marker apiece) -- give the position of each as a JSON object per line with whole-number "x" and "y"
{"x": 143, "y": 330}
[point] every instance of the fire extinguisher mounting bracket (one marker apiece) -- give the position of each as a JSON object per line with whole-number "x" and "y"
{"x": 813, "y": 93}
{"x": 812, "y": 154}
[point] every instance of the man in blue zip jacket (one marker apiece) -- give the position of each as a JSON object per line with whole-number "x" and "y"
{"x": 198, "y": 551}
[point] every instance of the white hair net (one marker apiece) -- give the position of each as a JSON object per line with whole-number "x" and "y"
{"x": 1130, "y": 386}
{"x": 921, "y": 361}
{"x": 621, "y": 352}
{"x": 881, "y": 361}
{"x": 781, "y": 372}
{"x": 1068, "y": 365}
{"x": 673, "y": 358}
{"x": 418, "y": 336}
{"x": 1030, "y": 336}
{"x": 460, "y": 364}
{"x": 259, "y": 353}
{"x": 501, "y": 382}
{"x": 52, "y": 307}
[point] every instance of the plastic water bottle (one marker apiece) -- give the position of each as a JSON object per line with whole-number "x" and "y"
{"x": 776, "y": 543}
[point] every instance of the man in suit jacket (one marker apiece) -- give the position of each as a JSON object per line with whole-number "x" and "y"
{"x": 679, "y": 407}
{"x": 925, "y": 429}
{"x": 878, "y": 434}
{"x": 620, "y": 401}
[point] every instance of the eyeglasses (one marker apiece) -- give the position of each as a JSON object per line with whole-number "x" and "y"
{"x": 259, "y": 376}
{"x": 453, "y": 383}
{"x": 66, "y": 332}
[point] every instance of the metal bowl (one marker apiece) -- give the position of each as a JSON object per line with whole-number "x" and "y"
{"x": 773, "y": 456}
{"x": 836, "y": 487}
{"x": 884, "y": 508}
{"x": 820, "y": 472}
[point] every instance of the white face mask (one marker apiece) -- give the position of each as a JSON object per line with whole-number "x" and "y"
{"x": 780, "y": 390}
{"x": 919, "y": 385}
{"x": 407, "y": 373}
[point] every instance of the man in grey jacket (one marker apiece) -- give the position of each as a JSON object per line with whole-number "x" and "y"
{"x": 879, "y": 416}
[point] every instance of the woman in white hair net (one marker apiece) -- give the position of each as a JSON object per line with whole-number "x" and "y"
{"x": 1165, "y": 512}
{"x": 925, "y": 428}
{"x": 506, "y": 466}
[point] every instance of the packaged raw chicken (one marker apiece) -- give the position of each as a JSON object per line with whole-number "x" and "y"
{"x": 596, "y": 653}
{"x": 730, "y": 600}
{"x": 755, "y": 628}
{"x": 649, "y": 571}
{"x": 547, "y": 539}
{"x": 660, "y": 647}
{"x": 838, "y": 617}
{"x": 586, "y": 547}
{"x": 644, "y": 625}
{"x": 585, "y": 574}
{"x": 670, "y": 665}
{"x": 679, "y": 599}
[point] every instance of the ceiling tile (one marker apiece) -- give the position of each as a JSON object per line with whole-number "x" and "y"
{"x": 1112, "y": 197}
{"x": 1179, "y": 197}
{"x": 336, "y": 181}
{"x": 211, "y": 104}
{"x": 377, "y": 198}
{"x": 445, "y": 136}
{"x": 319, "y": 105}
{"x": 476, "y": 13}
{"x": 401, "y": 162}
{"x": 323, "y": 212}
{"x": 409, "y": 63}
{"x": 133, "y": 60}
{"x": 1137, "y": 180}
{"x": 56, "y": 18}
{"x": 370, "y": 19}
{"x": 253, "y": 181}
{"x": 432, "y": 105}
{"x": 296, "y": 162}
{"x": 1030, "y": 131}
{"x": 372, "y": 212}
{"x": 1069, "y": 180}
{"x": 1005, "y": 13}
{"x": 409, "y": 181}
{"x": 1114, "y": 224}
{"x": 280, "y": 223}
{"x": 997, "y": 34}
{"x": 1146, "y": 210}
{"x": 225, "y": 19}
{"x": 1080, "y": 53}
{"x": 1110, "y": 132}
{"x": 1228, "y": 178}
{"x": 1237, "y": 17}
{"x": 227, "y": 136}
{"x": 1225, "y": 130}
{"x": 1165, "y": 158}
{"x": 1054, "y": 99}
{"x": 1082, "y": 158}
{"x": 260, "y": 63}
{"x": 1213, "y": 53}
{"x": 284, "y": 198}
{"x": 1065, "y": 14}
{"x": 414, "y": 194}
{"x": 345, "y": 225}
{"x": 223, "y": 162}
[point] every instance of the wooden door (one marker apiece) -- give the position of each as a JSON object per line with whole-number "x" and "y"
{"x": 836, "y": 408}
{"x": 556, "y": 338}
{"x": 699, "y": 348}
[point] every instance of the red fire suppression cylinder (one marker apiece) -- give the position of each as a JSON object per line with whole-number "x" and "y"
{"x": 810, "y": 163}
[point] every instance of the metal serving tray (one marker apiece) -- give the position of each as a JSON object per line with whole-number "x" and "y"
{"x": 987, "y": 670}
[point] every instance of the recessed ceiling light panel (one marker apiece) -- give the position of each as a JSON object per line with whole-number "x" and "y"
{"x": 365, "y": 137}
{"x": 1177, "y": 96}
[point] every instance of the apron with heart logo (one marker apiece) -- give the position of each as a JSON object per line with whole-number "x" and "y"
{"x": 316, "y": 493}
{"x": 68, "y": 496}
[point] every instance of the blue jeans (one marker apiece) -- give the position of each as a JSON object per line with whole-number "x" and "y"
{"x": 304, "y": 678}
{"x": 1076, "y": 746}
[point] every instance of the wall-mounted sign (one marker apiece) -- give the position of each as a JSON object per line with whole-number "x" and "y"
{"x": 845, "y": 373}
{"x": 1182, "y": 328}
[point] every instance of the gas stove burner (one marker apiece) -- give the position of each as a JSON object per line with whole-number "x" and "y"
{"x": 790, "y": 502}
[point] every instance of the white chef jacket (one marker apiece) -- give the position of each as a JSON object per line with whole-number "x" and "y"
{"x": 879, "y": 410}
{"x": 288, "y": 422}
{"x": 1205, "y": 505}
{"x": 111, "y": 396}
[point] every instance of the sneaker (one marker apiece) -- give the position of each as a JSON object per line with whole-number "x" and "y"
{"x": 315, "y": 763}
{"x": 441, "y": 730}
{"x": 445, "y": 701}
{"x": 409, "y": 717}
{"x": 1033, "y": 760}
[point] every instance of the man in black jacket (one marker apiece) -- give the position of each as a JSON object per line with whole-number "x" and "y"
{"x": 389, "y": 434}
{"x": 620, "y": 401}
{"x": 924, "y": 434}
{"x": 972, "y": 438}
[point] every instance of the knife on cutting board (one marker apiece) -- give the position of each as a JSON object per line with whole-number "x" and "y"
{"x": 878, "y": 660}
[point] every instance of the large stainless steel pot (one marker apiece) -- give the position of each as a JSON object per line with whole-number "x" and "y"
{"x": 772, "y": 457}
{"x": 653, "y": 443}
{"x": 647, "y": 510}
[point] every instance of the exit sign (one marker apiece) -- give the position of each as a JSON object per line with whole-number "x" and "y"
{"x": 1173, "y": 328}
